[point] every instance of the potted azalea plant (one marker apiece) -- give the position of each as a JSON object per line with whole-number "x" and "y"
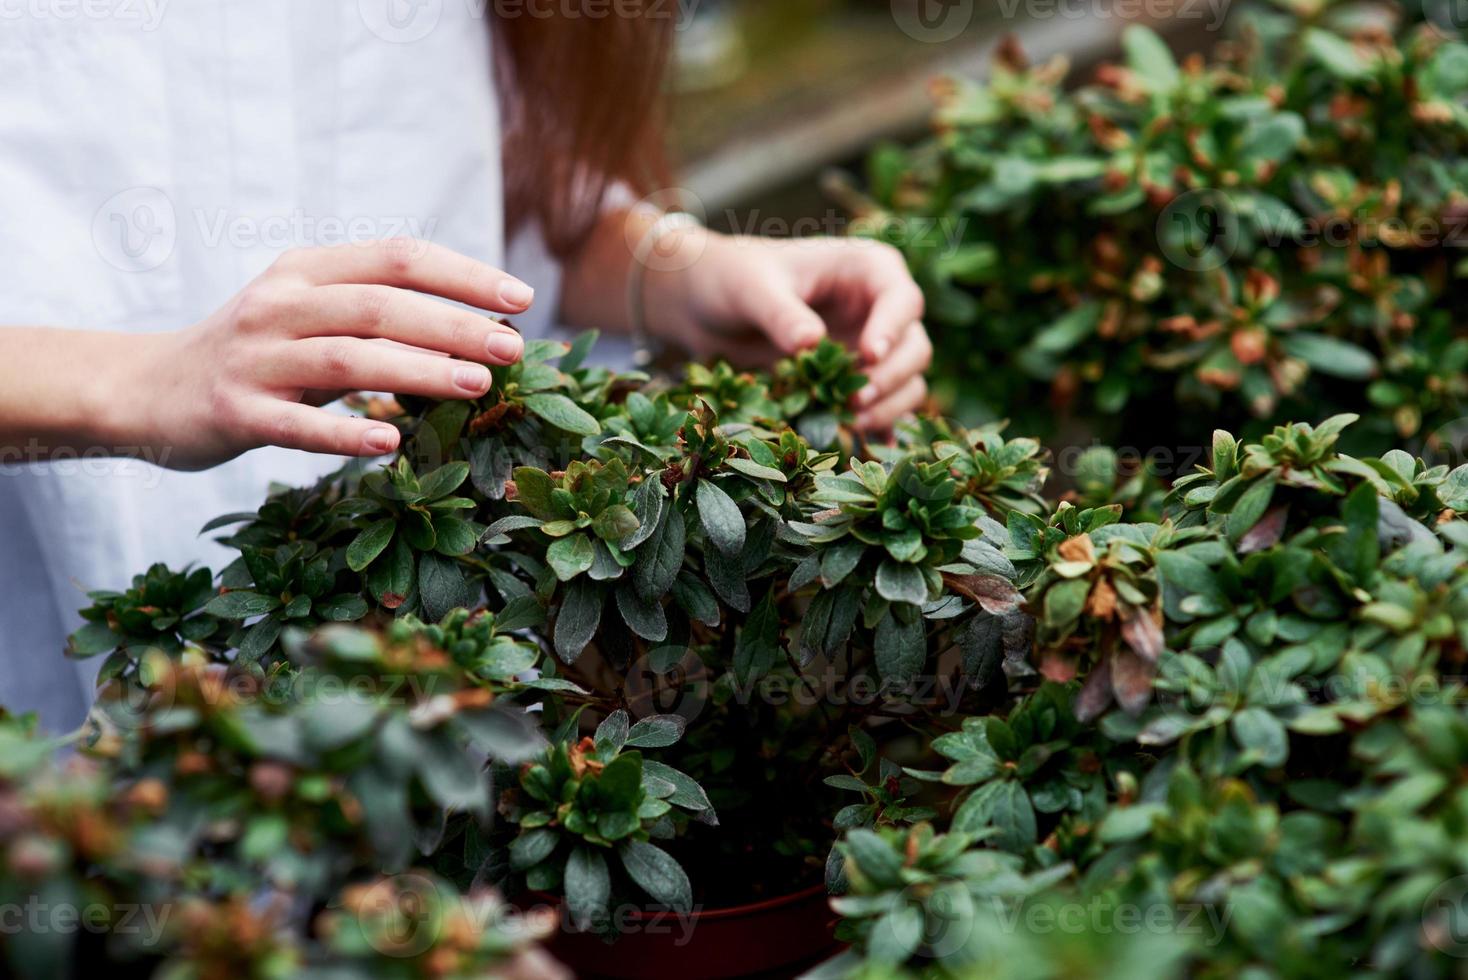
{"x": 692, "y": 674}
{"x": 1271, "y": 232}
{"x": 673, "y": 625}
{"x": 1261, "y": 780}
{"x": 604, "y": 674}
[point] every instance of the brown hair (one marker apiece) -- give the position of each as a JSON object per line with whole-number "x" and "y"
{"x": 582, "y": 111}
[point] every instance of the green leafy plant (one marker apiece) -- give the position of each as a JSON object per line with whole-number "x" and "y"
{"x": 593, "y": 806}
{"x": 1262, "y": 236}
{"x": 1271, "y": 763}
{"x": 611, "y": 637}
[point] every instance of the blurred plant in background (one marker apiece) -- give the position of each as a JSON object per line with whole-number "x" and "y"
{"x": 1268, "y": 235}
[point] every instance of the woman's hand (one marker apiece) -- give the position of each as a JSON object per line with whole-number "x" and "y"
{"x": 754, "y": 299}
{"x": 318, "y": 323}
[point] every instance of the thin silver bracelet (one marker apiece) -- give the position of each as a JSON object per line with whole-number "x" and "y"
{"x": 643, "y": 353}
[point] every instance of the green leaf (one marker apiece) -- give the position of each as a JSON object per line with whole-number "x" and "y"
{"x": 1005, "y": 806}
{"x": 1262, "y": 736}
{"x": 648, "y": 501}
{"x": 619, "y": 786}
{"x": 647, "y": 619}
{"x": 656, "y": 731}
{"x": 1337, "y": 55}
{"x": 532, "y": 847}
{"x": 615, "y": 523}
{"x": 758, "y": 645}
{"x": 577, "y": 621}
{"x": 443, "y": 588}
{"x": 659, "y": 560}
{"x": 1331, "y": 355}
{"x": 344, "y": 608}
{"x": 901, "y": 582}
{"x": 1454, "y": 490}
{"x": 533, "y": 492}
{"x": 1069, "y": 330}
{"x": 456, "y": 537}
{"x": 874, "y": 857}
{"x": 241, "y": 605}
{"x": 696, "y": 600}
{"x": 450, "y": 776}
{"x": 657, "y": 873}
{"x": 588, "y": 885}
{"x": 897, "y": 934}
{"x": 840, "y": 560}
{"x": 444, "y": 480}
{"x": 91, "y": 640}
{"x": 686, "y": 792}
{"x": 562, "y": 413}
{"x": 1147, "y": 55}
{"x": 1272, "y": 139}
{"x": 570, "y": 556}
{"x": 752, "y": 469}
{"x": 393, "y": 574}
{"x": 372, "y": 542}
{"x": 720, "y": 517}
{"x": 1251, "y": 506}
{"x": 901, "y": 649}
{"x": 611, "y": 734}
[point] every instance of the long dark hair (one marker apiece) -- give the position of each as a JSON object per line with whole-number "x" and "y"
{"x": 583, "y": 109}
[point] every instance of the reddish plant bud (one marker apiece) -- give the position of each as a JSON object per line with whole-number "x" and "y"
{"x": 150, "y": 795}
{"x": 1250, "y": 345}
{"x": 271, "y": 781}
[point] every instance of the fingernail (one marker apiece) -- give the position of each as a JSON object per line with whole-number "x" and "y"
{"x": 867, "y": 395}
{"x": 516, "y": 293}
{"x": 472, "y": 378}
{"x": 505, "y": 347}
{"x": 379, "y": 440}
{"x": 881, "y": 348}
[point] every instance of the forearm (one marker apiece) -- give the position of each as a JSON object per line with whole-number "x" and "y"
{"x": 62, "y": 393}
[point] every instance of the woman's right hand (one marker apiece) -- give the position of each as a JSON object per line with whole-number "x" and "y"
{"x": 317, "y": 323}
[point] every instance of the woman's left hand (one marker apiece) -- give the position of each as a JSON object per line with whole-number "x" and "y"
{"x": 752, "y": 300}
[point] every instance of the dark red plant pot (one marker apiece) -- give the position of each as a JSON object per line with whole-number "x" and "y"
{"x": 775, "y": 938}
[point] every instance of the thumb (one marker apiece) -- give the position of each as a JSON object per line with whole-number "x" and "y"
{"x": 777, "y": 312}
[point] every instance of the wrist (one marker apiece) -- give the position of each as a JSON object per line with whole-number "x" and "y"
{"x": 673, "y": 255}
{"x": 121, "y": 402}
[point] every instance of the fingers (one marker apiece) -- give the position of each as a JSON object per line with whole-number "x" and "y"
{"x": 904, "y": 401}
{"x": 772, "y": 305}
{"x": 896, "y": 301}
{"x": 337, "y": 363}
{"x": 912, "y": 356}
{"x": 412, "y": 264}
{"x": 295, "y": 426}
{"x": 396, "y": 314}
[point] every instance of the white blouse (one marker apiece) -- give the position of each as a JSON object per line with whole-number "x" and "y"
{"x": 154, "y": 158}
